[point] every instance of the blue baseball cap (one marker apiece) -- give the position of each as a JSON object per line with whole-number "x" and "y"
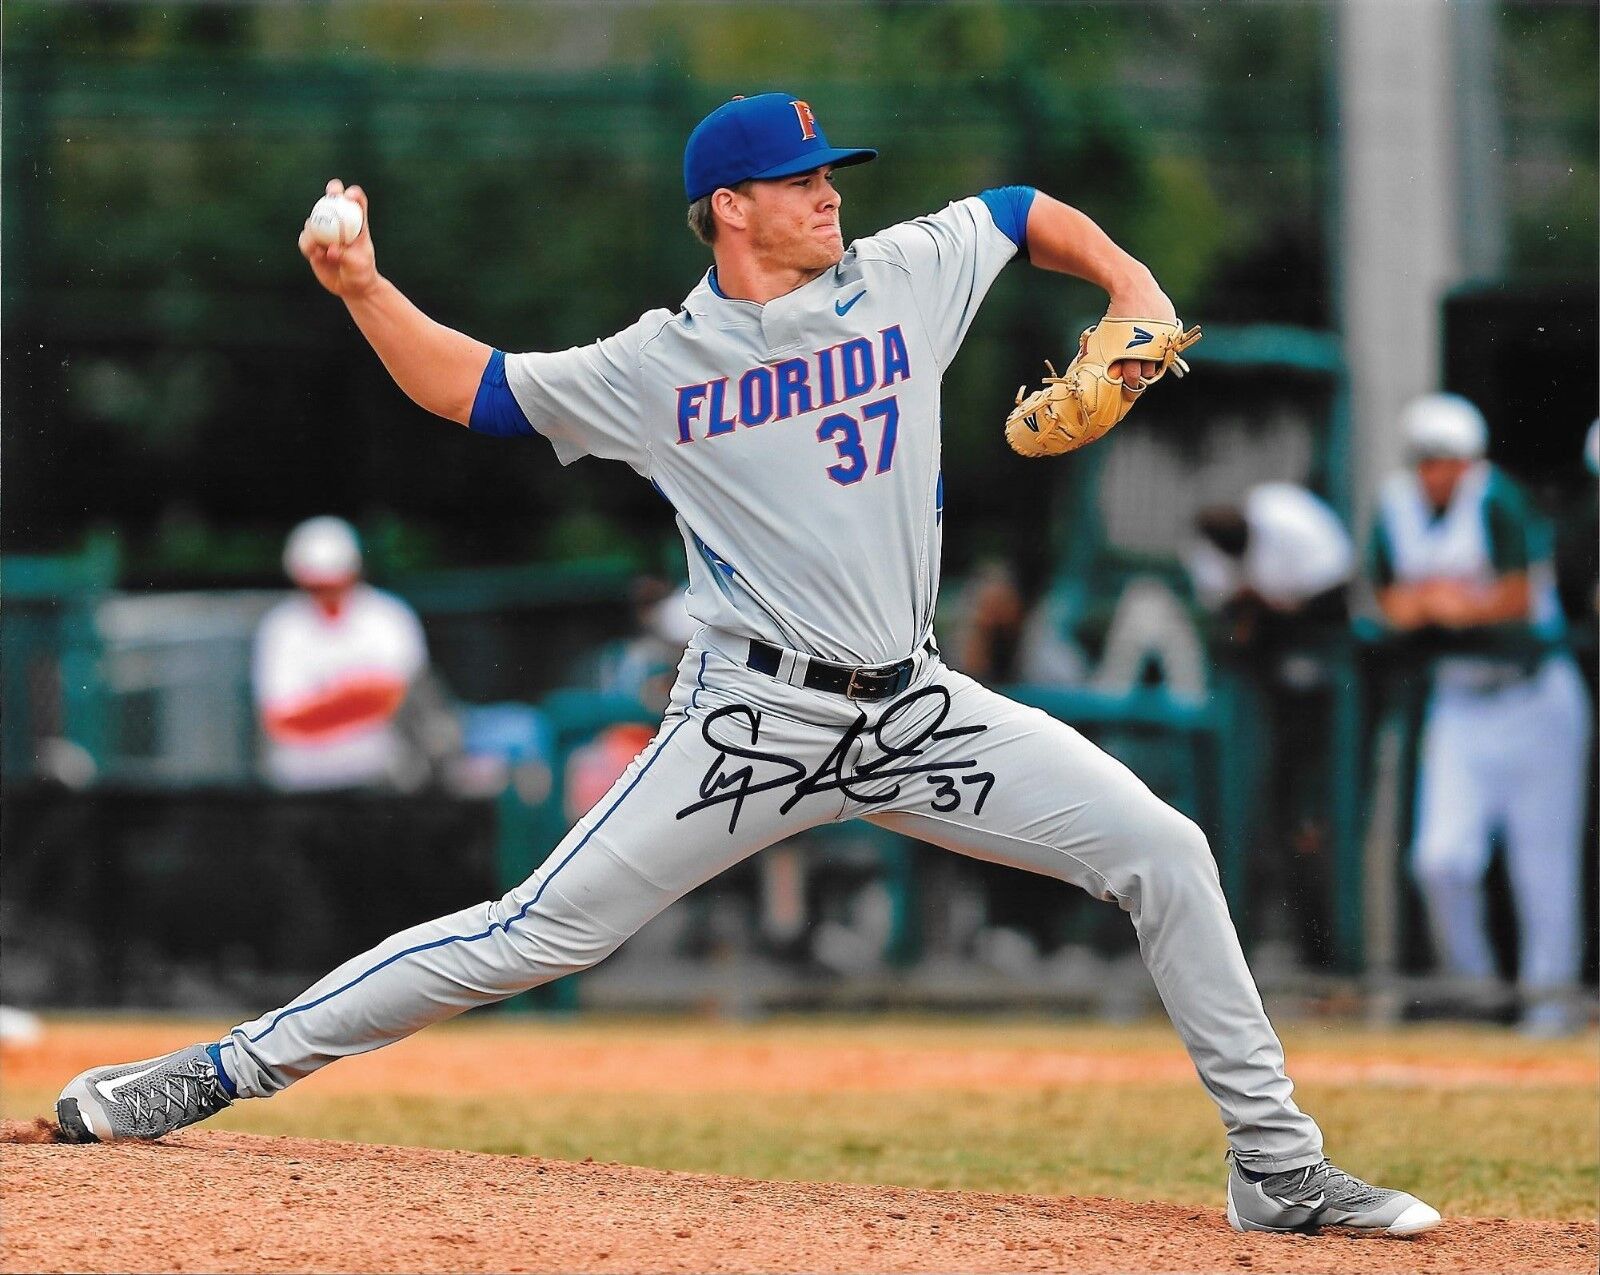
{"x": 769, "y": 135}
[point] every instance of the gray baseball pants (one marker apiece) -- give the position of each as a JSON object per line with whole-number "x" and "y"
{"x": 743, "y": 760}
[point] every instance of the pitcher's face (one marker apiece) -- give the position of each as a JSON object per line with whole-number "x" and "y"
{"x": 794, "y": 221}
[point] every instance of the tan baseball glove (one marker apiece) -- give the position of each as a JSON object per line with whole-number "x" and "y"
{"x": 1071, "y": 411}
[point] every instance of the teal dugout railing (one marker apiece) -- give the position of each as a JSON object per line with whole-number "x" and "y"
{"x": 49, "y": 653}
{"x": 54, "y": 660}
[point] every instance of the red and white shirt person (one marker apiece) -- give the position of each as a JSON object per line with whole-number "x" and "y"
{"x": 332, "y": 666}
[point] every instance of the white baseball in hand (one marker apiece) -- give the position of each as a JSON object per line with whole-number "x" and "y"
{"x": 335, "y": 219}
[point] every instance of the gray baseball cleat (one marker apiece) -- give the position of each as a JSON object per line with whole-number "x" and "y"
{"x": 143, "y": 1099}
{"x": 1320, "y": 1195}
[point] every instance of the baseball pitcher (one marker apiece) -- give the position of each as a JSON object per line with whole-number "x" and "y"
{"x": 789, "y": 411}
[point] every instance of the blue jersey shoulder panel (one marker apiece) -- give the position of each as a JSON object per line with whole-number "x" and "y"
{"x": 1009, "y": 206}
{"x": 495, "y": 409}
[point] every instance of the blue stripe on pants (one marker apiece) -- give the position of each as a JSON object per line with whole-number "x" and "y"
{"x": 473, "y": 938}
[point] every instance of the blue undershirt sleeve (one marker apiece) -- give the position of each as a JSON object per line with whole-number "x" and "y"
{"x": 1009, "y": 206}
{"x": 495, "y": 410}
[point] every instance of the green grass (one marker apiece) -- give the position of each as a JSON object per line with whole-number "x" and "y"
{"x": 1528, "y": 1152}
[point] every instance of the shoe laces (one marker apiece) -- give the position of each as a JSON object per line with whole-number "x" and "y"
{"x": 1326, "y": 1179}
{"x": 1347, "y": 1189}
{"x": 180, "y": 1097}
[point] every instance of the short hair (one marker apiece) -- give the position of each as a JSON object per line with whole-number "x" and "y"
{"x": 703, "y": 221}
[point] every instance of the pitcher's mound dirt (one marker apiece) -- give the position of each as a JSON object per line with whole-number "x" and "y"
{"x": 201, "y": 1201}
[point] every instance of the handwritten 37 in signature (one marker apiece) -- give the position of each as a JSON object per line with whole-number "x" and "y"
{"x": 727, "y": 784}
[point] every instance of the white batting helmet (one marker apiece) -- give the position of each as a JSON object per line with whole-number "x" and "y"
{"x": 322, "y": 551}
{"x": 1444, "y": 425}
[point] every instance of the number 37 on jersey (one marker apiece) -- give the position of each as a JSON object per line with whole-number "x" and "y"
{"x": 863, "y": 438}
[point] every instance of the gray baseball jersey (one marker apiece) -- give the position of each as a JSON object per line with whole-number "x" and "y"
{"x": 798, "y": 441}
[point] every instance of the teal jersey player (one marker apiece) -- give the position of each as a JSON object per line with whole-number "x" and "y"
{"x": 1463, "y": 568}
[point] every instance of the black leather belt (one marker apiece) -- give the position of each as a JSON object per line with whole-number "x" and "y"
{"x": 868, "y": 682}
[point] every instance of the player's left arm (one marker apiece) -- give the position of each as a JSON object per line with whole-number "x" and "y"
{"x": 1062, "y": 239}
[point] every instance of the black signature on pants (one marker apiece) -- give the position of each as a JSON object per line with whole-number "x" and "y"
{"x": 726, "y": 784}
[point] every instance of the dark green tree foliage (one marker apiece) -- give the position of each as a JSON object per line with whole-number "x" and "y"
{"x": 1547, "y": 82}
{"x": 172, "y": 368}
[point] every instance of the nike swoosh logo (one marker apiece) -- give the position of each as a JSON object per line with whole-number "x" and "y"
{"x": 1311, "y": 1205}
{"x": 842, "y": 308}
{"x": 108, "y": 1088}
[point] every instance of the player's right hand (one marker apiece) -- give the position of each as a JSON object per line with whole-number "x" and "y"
{"x": 346, "y": 270}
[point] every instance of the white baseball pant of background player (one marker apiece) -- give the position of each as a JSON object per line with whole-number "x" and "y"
{"x": 1514, "y": 759}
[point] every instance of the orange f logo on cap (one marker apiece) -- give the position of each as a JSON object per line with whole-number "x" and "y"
{"x": 808, "y": 121}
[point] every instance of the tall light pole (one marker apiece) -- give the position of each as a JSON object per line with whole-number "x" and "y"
{"x": 1400, "y": 241}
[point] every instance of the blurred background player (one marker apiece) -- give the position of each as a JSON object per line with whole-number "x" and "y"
{"x": 1274, "y": 571}
{"x": 988, "y": 624}
{"x": 644, "y": 664}
{"x": 1461, "y": 565}
{"x": 1275, "y": 566}
{"x": 333, "y": 666}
